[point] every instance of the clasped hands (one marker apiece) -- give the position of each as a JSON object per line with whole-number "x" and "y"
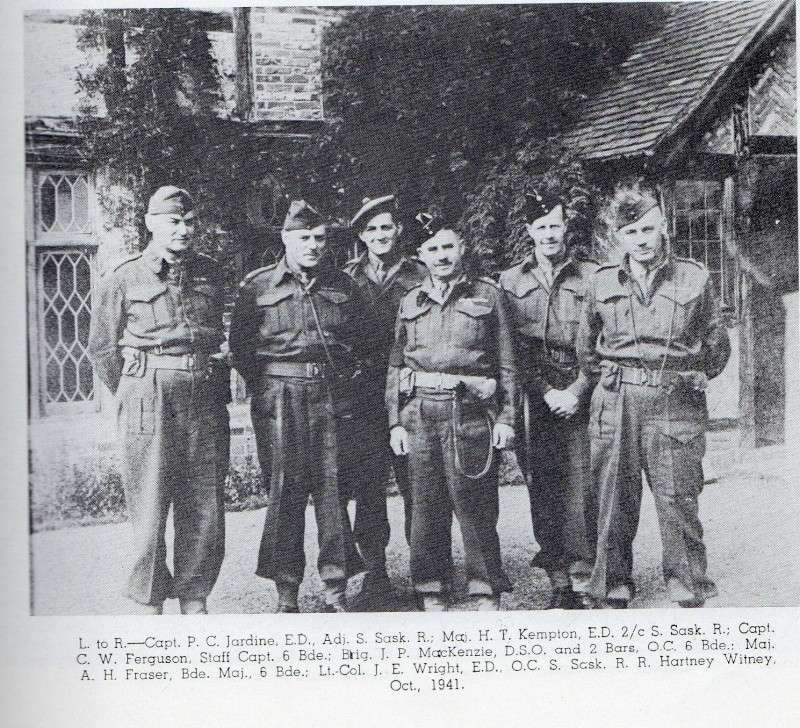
{"x": 562, "y": 402}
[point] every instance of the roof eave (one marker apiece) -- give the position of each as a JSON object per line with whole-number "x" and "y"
{"x": 665, "y": 146}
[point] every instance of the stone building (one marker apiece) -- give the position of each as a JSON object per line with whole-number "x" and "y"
{"x": 269, "y": 62}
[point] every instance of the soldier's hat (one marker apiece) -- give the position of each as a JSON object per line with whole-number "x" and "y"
{"x": 370, "y": 207}
{"x": 429, "y": 220}
{"x": 633, "y": 207}
{"x": 170, "y": 200}
{"x": 539, "y": 202}
{"x": 301, "y": 216}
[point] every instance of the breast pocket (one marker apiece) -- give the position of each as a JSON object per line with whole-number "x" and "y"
{"x": 148, "y": 307}
{"x": 411, "y": 320}
{"x": 570, "y": 302}
{"x": 615, "y": 311}
{"x": 677, "y": 306}
{"x": 205, "y": 303}
{"x": 471, "y": 322}
{"x": 527, "y": 305}
{"x": 276, "y": 310}
{"x": 333, "y": 307}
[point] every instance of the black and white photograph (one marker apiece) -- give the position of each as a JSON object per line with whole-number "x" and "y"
{"x": 400, "y": 365}
{"x": 412, "y": 308}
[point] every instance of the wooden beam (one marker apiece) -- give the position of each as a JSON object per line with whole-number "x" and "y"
{"x": 700, "y": 109}
{"x": 747, "y": 397}
{"x": 773, "y": 145}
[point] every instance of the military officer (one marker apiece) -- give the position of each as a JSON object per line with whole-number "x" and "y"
{"x": 298, "y": 330}
{"x": 450, "y": 400}
{"x": 384, "y": 275}
{"x": 651, "y": 329}
{"x": 155, "y": 336}
{"x": 545, "y": 293}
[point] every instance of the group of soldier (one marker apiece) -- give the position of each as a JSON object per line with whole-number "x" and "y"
{"x": 419, "y": 367}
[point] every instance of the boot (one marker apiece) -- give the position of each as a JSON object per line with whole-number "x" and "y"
{"x": 571, "y": 600}
{"x": 377, "y": 593}
{"x": 287, "y": 598}
{"x": 679, "y": 593}
{"x": 619, "y": 597}
{"x": 486, "y": 603}
{"x": 432, "y": 602}
{"x": 150, "y": 608}
{"x": 193, "y": 606}
{"x": 560, "y": 584}
{"x": 334, "y": 596}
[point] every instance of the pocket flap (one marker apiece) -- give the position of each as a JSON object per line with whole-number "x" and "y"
{"x": 680, "y": 294}
{"x": 205, "y": 289}
{"x": 412, "y": 310}
{"x": 576, "y": 287}
{"x": 682, "y": 431}
{"x": 606, "y": 295}
{"x": 333, "y": 296}
{"x": 145, "y": 293}
{"x": 523, "y": 286}
{"x": 270, "y": 298}
{"x": 474, "y": 307}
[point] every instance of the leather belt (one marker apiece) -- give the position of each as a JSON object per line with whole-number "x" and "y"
{"x": 482, "y": 388}
{"x": 650, "y": 377}
{"x": 437, "y": 380}
{"x": 561, "y": 358}
{"x": 178, "y": 362}
{"x": 305, "y": 370}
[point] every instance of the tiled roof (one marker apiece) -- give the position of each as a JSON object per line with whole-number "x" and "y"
{"x": 665, "y": 77}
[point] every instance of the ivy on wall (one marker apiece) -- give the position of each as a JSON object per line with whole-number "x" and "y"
{"x": 150, "y": 116}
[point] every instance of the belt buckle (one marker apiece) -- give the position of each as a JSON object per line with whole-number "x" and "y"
{"x": 313, "y": 369}
{"x": 439, "y": 382}
{"x": 191, "y": 361}
{"x": 651, "y": 377}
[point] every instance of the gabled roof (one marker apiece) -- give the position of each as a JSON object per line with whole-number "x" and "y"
{"x": 668, "y": 76}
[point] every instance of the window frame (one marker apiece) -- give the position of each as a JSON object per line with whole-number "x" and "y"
{"x": 727, "y": 277}
{"x": 79, "y": 238}
{"x": 38, "y": 241}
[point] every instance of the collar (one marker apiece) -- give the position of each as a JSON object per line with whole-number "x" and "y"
{"x": 154, "y": 262}
{"x": 433, "y": 294}
{"x": 531, "y": 264}
{"x": 158, "y": 265}
{"x": 282, "y": 271}
{"x": 665, "y": 268}
{"x": 362, "y": 264}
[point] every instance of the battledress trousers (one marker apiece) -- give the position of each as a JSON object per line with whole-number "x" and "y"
{"x": 371, "y": 460}
{"x": 465, "y": 333}
{"x": 554, "y": 452}
{"x": 302, "y": 412}
{"x": 652, "y": 352}
{"x": 153, "y": 331}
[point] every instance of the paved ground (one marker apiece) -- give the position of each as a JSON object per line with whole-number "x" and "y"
{"x": 750, "y": 514}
